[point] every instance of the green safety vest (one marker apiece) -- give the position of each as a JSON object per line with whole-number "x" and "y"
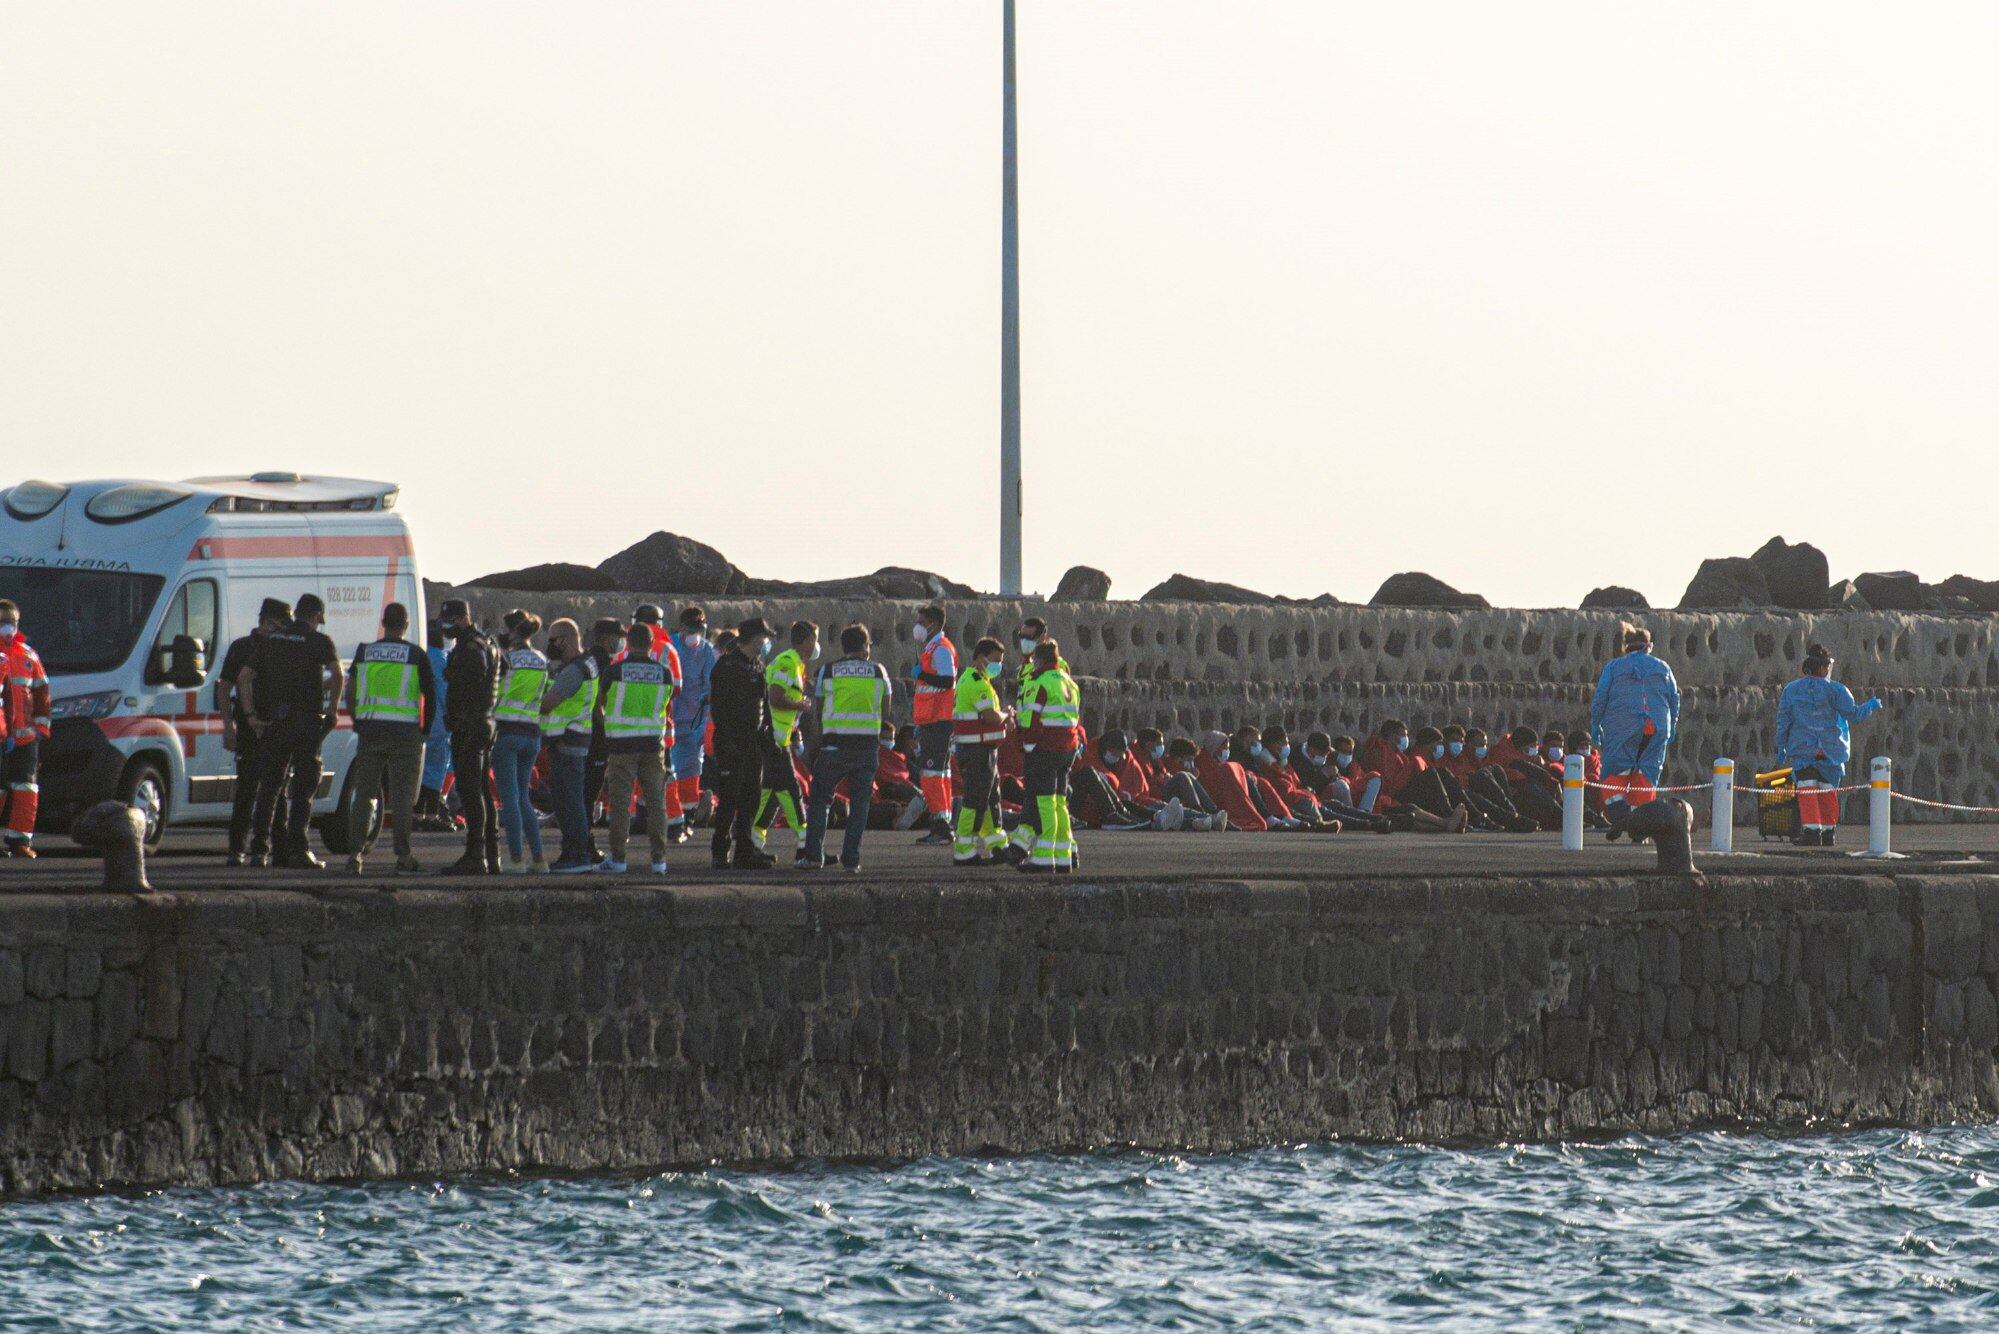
{"x": 786, "y": 670}
{"x": 387, "y": 687}
{"x": 1053, "y": 702}
{"x": 636, "y": 693}
{"x": 855, "y": 694}
{"x": 522, "y": 687}
{"x": 975, "y": 696}
{"x": 573, "y": 714}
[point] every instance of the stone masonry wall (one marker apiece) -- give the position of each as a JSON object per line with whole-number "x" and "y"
{"x": 247, "y": 1034}
{"x": 1186, "y": 667}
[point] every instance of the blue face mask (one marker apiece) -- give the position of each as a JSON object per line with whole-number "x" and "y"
{"x": 1402, "y": 742}
{"x": 1345, "y": 758}
{"x": 1113, "y": 760}
{"x": 1283, "y": 754}
{"x": 1256, "y": 750}
{"x": 1437, "y": 752}
{"x": 1456, "y": 747}
{"x": 1158, "y": 752}
{"x": 1533, "y": 750}
{"x": 1224, "y": 756}
{"x": 1556, "y": 752}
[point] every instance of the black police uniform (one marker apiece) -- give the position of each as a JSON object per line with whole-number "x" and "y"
{"x": 471, "y": 686}
{"x": 741, "y": 715}
{"x": 244, "y": 796}
{"x": 290, "y": 691}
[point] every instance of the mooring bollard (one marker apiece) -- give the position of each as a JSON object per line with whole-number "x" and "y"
{"x": 1572, "y": 804}
{"x": 118, "y": 832}
{"x": 1880, "y": 805}
{"x": 1721, "y": 834}
{"x": 1668, "y": 823}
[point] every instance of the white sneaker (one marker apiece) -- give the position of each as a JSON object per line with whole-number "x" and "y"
{"x": 1200, "y": 824}
{"x": 659, "y": 868}
{"x": 910, "y": 813}
{"x": 1221, "y": 822}
{"x": 1169, "y": 817}
{"x": 513, "y": 866}
{"x": 609, "y": 867}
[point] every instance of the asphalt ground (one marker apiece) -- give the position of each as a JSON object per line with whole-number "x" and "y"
{"x": 193, "y": 860}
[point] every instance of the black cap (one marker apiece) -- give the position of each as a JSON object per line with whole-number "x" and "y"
{"x": 274, "y": 609}
{"x": 309, "y": 604}
{"x": 454, "y": 607}
{"x": 650, "y": 614}
{"x": 755, "y": 628}
{"x": 607, "y": 625}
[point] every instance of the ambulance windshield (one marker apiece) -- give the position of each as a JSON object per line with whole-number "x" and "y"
{"x": 80, "y": 620}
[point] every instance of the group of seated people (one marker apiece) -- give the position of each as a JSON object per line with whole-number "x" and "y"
{"x": 1430, "y": 780}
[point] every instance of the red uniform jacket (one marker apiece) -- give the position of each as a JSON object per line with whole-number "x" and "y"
{"x": 24, "y": 693}
{"x": 1396, "y": 767}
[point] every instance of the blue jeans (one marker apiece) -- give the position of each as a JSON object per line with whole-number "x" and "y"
{"x": 513, "y": 772}
{"x": 841, "y": 757}
{"x": 565, "y": 771}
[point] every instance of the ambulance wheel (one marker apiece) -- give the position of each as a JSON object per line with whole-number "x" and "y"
{"x": 333, "y": 828}
{"x": 143, "y": 786}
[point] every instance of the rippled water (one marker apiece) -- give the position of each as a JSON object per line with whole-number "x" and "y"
{"x": 1850, "y": 1230}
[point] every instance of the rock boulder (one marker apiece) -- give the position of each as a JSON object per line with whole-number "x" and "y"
{"x": 557, "y": 577}
{"x": 1614, "y": 597}
{"x": 1981, "y": 593}
{"x": 1083, "y": 584}
{"x": 1186, "y": 588}
{"x": 1726, "y": 583}
{"x": 1796, "y": 574}
{"x": 891, "y": 581}
{"x": 1422, "y": 590}
{"x": 1895, "y": 590}
{"x": 669, "y": 563}
{"x": 1845, "y": 595}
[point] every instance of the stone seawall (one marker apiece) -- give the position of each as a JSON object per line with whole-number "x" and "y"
{"x": 1186, "y": 666}
{"x": 243, "y": 1034}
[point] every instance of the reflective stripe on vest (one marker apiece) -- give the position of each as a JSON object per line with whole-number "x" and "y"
{"x": 522, "y": 687}
{"x": 933, "y": 703}
{"x": 635, "y": 701}
{"x": 1056, "y": 704}
{"x": 787, "y": 672}
{"x": 387, "y": 688}
{"x": 855, "y": 699}
{"x": 975, "y": 695}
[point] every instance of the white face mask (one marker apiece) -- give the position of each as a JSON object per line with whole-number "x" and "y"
{"x": 814, "y": 656}
{"x": 1026, "y": 647}
{"x": 920, "y": 633}
{"x": 690, "y": 638}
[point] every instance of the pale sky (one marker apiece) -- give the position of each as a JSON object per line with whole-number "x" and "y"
{"x": 1532, "y": 297}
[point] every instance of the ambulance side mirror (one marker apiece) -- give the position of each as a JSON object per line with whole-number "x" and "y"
{"x": 187, "y": 662}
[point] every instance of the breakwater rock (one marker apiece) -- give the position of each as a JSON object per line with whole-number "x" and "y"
{"x": 243, "y": 1034}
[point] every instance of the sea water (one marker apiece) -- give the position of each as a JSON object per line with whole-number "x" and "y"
{"x": 1846, "y": 1230}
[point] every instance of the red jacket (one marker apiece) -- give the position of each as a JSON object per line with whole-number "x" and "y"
{"x": 1517, "y": 762}
{"x": 1013, "y": 756}
{"x": 1396, "y": 767}
{"x": 25, "y": 694}
{"x": 1137, "y": 778}
{"x": 1461, "y": 765}
{"x": 1285, "y": 781}
{"x": 1229, "y": 786}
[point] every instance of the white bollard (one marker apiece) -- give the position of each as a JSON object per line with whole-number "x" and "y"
{"x": 1721, "y": 837}
{"x": 1880, "y": 783}
{"x": 1572, "y": 804}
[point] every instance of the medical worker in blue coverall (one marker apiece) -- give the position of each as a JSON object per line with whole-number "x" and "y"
{"x": 1814, "y": 716}
{"x": 690, "y": 714}
{"x": 1632, "y": 718}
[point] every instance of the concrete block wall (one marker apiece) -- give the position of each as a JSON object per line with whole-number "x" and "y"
{"x": 238, "y": 1035}
{"x": 1185, "y": 667}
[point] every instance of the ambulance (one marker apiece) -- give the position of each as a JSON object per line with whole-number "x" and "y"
{"x": 131, "y": 590}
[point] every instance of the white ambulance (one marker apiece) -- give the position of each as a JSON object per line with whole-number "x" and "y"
{"x": 131, "y": 591}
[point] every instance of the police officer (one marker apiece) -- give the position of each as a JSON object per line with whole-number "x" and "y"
{"x": 637, "y": 693}
{"x": 237, "y": 735}
{"x": 1051, "y": 730}
{"x": 784, "y": 693}
{"x": 392, "y": 694}
{"x": 285, "y": 692}
{"x": 607, "y": 641}
{"x": 853, "y": 695}
{"x": 740, "y": 707}
{"x": 471, "y": 687}
{"x": 977, "y": 728}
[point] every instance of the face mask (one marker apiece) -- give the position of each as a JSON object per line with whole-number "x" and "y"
{"x": 1026, "y": 647}
{"x": 1283, "y": 754}
{"x": 814, "y": 655}
{"x": 1345, "y": 758}
{"x": 7, "y": 629}
{"x": 764, "y": 647}
{"x": 1158, "y": 752}
{"x": 1224, "y": 755}
{"x": 1402, "y": 743}
{"x": 1555, "y": 752}
{"x": 1256, "y": 751}
{"x": 992, "y": 670}
{"x": 690, "y": 639}
{"x": 1114, "y": 760}
{"x": 920, "y": 633}
{"x": 1480, "y": 752}
{"x": 1437, "y": 752}
{"x": 1533, "y": 750}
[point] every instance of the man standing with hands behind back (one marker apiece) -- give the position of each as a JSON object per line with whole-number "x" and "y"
{"x": 285, "y": 691}
{"x": 740, "y": 707}
{"x": 471, "y": 687}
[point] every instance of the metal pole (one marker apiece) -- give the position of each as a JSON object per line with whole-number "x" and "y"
{"x": 1572, "y": 804}
{"x": 1010, "y": 502}
{"x": 1721, "y": 834}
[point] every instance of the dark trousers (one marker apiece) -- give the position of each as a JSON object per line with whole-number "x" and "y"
{"x": 739, "y": 772}
{"x": 852, "y": 759}
{"x": 244, "y": 802}
{"x": 290, "y": 743}
{"x": 472, "y": 761}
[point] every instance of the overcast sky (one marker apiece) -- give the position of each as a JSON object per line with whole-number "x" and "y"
{"x": 1533, "y": 297}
